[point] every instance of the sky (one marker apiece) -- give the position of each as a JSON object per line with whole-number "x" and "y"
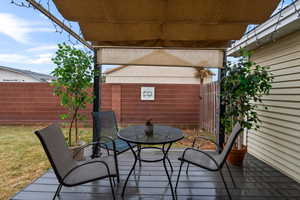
{"x": 28, "y": 39}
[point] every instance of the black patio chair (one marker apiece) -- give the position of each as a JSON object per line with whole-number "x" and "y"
{"x": 106, "y": 120}
{"x": 210, "y": 160}
{"x": 68, "y": 171}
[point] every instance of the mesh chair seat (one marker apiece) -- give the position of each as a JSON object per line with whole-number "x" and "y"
{"x": 201, "y": 159}
{"x": 121, "y": 145}
{"x": 68, "y": 171}
{"x": 91, "y": 171}
{"x": 107, "y": 125}
{"x": 210, "y": 160}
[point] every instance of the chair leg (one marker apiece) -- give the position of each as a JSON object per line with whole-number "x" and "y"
{"x": 112, "y": 187}
{"x": 187, "y": 169}
{"x": 139, "y": 155}
{"x": 114, "y": 182}
{"x": 170, "y": 165}
{"x": 178, "y": 178}
{"x": 57, "y": 191}
{"x": 117, "y": 167}
{"x": 224, "y": 182}
{"x": 230, "y": 174}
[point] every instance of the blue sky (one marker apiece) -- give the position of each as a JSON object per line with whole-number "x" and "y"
{"x": 28, "y": 39}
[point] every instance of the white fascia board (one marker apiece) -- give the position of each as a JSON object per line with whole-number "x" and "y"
{"x": 279, "y": 25}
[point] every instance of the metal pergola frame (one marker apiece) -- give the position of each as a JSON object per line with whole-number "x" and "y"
{"x": 98, "y": 68}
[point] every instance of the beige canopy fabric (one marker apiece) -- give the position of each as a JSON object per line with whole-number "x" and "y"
{"x": 160, "y": 57}
{"x": 165, "y": 23}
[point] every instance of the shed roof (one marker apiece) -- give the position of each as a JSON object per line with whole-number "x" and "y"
{"x": 163, "y": 23}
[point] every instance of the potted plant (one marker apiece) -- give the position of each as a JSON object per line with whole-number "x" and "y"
{"x": 149, "y": 128}
{"x": 244, "y": 84}
{"x": 74, "y": 77}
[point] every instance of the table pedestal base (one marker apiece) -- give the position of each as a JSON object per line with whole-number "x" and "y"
{"x": 137, "y": 157}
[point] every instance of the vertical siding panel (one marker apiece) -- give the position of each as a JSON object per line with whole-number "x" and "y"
{"x": 267, "y": 143}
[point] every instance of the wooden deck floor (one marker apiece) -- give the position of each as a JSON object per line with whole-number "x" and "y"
{"x": 256, "y": 180}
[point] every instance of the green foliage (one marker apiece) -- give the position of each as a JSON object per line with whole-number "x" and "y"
{"x": 74, "y": 77}
{"x": 244, "y": 84}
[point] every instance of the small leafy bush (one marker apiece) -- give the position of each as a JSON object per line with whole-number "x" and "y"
{"x": 244, "y": 84}
{"x": 74, "y": 77}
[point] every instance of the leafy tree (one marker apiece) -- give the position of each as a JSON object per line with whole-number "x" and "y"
{"x": 74, "y": 77}
{"x": 244, "y": 84}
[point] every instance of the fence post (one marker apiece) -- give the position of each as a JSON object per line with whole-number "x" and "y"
{"x": 221, "y": 128}
{"x": 97, "y": 102}
{"x": 116, "y": 100}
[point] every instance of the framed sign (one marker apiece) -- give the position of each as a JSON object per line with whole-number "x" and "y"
{"x": 147, "y": 93}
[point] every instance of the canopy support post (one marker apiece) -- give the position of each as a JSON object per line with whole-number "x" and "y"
{"x": 221, "y": 135}
{"x": 97, "y": 102}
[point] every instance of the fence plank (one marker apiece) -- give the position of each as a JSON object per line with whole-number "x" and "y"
{"x": 209, "y": 106}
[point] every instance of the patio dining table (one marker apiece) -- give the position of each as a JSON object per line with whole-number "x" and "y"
{"x": 162, "y": 135}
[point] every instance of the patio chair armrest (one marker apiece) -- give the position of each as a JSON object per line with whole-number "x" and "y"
{"x": 86, "y": 163}
{"x": 203, "y": 138}
{"x": 203, "y": 152}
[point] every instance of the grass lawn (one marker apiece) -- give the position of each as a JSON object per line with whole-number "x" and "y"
{"x": 22, "y": 158}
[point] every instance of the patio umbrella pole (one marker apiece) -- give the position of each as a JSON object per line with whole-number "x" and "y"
{"x": 96, "y": 103}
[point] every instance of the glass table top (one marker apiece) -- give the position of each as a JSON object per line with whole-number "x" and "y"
{"x": 161, "y": 134}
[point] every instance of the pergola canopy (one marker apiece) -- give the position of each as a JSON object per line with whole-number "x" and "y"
{"x": 160, "y": 57}
{"x": 165, "y": 23}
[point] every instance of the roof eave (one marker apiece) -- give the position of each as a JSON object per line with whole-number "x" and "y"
{"x": 278, "y": 26}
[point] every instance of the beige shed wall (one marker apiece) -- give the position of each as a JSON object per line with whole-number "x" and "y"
{"x": 277, "y": 142}
{"x": 9, "y": 76}
{"x": 154, "y": 74}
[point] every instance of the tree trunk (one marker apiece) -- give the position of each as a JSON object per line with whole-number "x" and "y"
{"x": 71, "y": 125}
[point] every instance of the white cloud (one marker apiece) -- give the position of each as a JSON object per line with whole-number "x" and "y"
{"x": 42, "y": 59}
{"x": 18, "y": 28}
{"x": 13, "y": 58}
{"x": 43, "y": 48}
{"x": 26, "y": 59}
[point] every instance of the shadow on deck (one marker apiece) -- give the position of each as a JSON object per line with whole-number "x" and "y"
{"x": 256, "y": 180}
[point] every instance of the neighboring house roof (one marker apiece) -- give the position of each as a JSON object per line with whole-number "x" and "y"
{"x": 34, "y": 75}
{"x": 279, "y": 25}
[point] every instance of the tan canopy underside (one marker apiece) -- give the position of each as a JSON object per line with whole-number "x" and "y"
{"x": 165, "y": 23}
{"x": 161, "y": 57}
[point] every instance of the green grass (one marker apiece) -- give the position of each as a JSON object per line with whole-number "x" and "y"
{"x": 22, "y": 158}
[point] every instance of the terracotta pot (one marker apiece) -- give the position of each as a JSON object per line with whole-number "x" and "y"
{"x": 79, "y": 154}
{"x": 236, "y": 157}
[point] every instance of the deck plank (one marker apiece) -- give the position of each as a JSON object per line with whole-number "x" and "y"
{"x": 256, "y": 180}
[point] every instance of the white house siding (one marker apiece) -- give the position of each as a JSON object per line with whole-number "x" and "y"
{"x": 9, "y": 76}
{"x": 278, "y": 140}
{"x": 154, "y": 74}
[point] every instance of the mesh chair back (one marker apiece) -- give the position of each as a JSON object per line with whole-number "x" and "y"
{"x": 106, "y": 120}
{"x": 56, "y": 149}
{"x": 230, "y": 142}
